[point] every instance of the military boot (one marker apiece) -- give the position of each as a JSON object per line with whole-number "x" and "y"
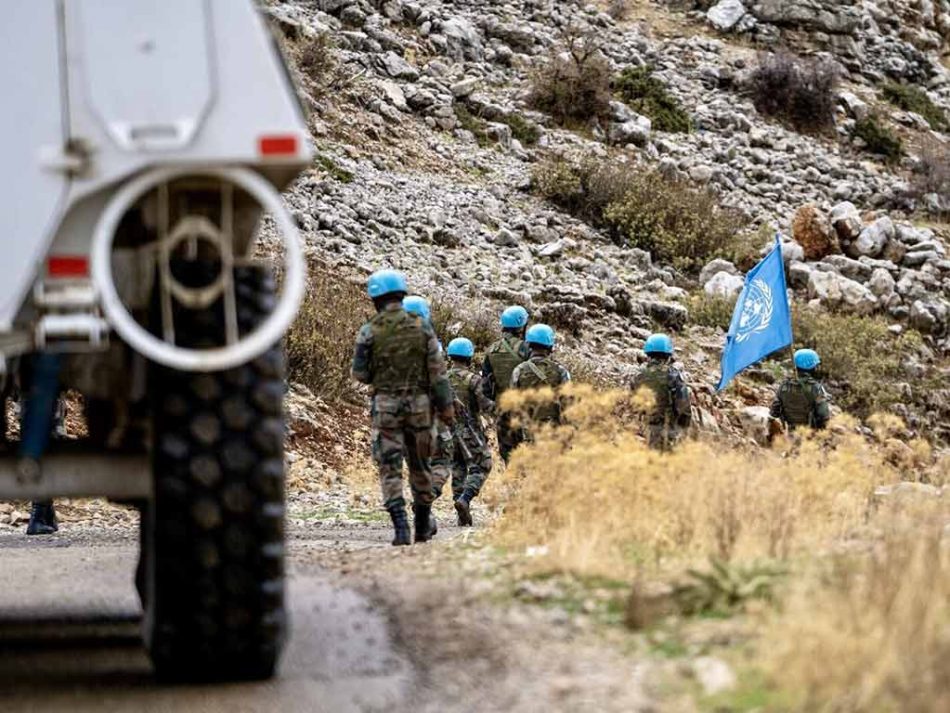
{"x": 463, "y": 507}
{"x": 42, "y": 519}
{"x": 422, "y": 512}
{"x": 397, "y": 511}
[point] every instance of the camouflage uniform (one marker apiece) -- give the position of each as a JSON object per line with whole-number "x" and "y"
{"x": 398, "y": 355}
{"x": 443, "y": 454}
{"x": 539, "y": 371}
{"x": 802, "y": 401}
{"x": 500, "y": 361}
{"x": 473, "y": 461}
{"x": 671, "y": 414}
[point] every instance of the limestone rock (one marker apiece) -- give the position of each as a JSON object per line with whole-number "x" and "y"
{"x": 725, "y": 14}
{"x": 715, "y": 266}
{"x": 846, "y": 221}
{"x": 755, "y": 422}
{"x": 811, "y": 230}
{"x": 724, "y": 284}
{"x": 873, "y": 238}
{"x": 834, "y": 290}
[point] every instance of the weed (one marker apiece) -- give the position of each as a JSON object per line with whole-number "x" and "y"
{"x": 472, "y": 123}
{"x": 318, "y": 62}
{"x": 708, "y": 311}
{"x": 915, "y": 99}
{"x": 574, "y": 84}
{"x": 879, "y": 139}
{"x": 647, "y": 95}
{"x": 799, "y": 91}
{"x": 527, "y": 132}
{"x": 319, "y": 343}
{"x": 332, "y": 168}
{"x": 726, "y": 587}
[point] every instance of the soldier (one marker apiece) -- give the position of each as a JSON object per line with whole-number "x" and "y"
{"x": 541, "y": 370}
{"x": 671, "y": 414}
{"x": 473, "y": 461}
{"x": 501, "y": 358}
{"x": 802, "y": 400}
{"x": 397, "y": 353}
{"x": 442, "y": 441}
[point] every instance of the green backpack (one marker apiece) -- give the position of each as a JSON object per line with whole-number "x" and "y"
{"x": 798, "y": 402}
{"x": 400, "y": 352}
{"x": 504, "y": 355}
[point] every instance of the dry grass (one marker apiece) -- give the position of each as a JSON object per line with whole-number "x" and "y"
{"x": 604, "y": 504}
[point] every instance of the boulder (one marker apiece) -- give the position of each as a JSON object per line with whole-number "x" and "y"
{"x": 846, "y": 221}
{"x": 464, "y": 88}
{"x": 714, "y": 266}
{"x": 799, "y": 274}
{"x": 667, "y": 314}
{"x": 812, "y": 231}
{"x": 929, "y": 317}
{"x": 881, "y": 283}
{"x": 394, "y": 94}
{"x": 633, "y": 131}
{"x": 856, "y": 107}
{"x": 725, "y": 14}
{"x": 724, "y": 284}
{"x": 396, "y": 67}
{"x": 850, "y": 268}
{"x": 755, "y": 422}
{"x": 872, "y": 240}
{"x": 834, "y": 290}
{"x": 462, "y": 39}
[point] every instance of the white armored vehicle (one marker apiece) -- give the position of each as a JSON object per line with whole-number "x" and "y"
{"x": 144, "y": 143}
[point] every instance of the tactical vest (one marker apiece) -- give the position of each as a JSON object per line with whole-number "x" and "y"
{"x": 657, "y": 377}
{"x": 461, "y": 380}
{"x": 504, "y": 355}
{"x": 798, "y": 402}
{"x": 400, "y": 352}
{"x": 537, "y": 373}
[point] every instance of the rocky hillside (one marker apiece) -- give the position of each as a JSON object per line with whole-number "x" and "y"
{"x": 430, "y": 147}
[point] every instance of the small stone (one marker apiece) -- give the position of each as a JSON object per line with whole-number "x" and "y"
{"x": 714, "y": 674}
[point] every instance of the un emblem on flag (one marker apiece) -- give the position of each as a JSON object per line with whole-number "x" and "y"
{"x": 757, "y": 308}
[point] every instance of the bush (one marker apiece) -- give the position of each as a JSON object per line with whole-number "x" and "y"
{"x": 708, "y": 311}
{"x": 574, "y": 84}
{"x": 915, "y": 99}
{"x": 456, "y": 318}
{"x": 584, "y": 189}
{"x": 320, "y": 342}
{"x": 799, "y": 91}
{"x": 647, "y": 95}
{"x": 675, "y": 221}
{"x": 317, "y": 61}
{"x": 332, "y": 168}
{"x": 932, "y": 175}
{"x": 879, "y": 139}
{"x": 475, "y": 124}
{"x": 527, "y": 132}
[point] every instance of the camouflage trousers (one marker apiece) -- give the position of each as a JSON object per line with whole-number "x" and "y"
{"x": 402, "y": 429}
{"x": 662, "y": 437}
{"x": 443, "y": 452}
{"x": 508, "y": 438}
{"x": 471, "y": 465}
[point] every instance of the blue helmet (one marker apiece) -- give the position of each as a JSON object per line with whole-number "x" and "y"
{"x": 540, "y": 334}
{"x": 515, "y": 317}
{"x": 461, "y": 347}
{"x": 658, "y": 344}
{"x": 414, "y": 304}
{"x": 806, "y": 359}
{"x": 385, "y": 282}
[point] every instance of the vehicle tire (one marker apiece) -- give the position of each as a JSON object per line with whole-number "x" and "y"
{"x": 213, "y": 537}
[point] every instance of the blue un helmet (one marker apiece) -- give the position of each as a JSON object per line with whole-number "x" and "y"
{"x": 515, "y": 317}
{"x": 461, "y": 348}
{"x": 542, "y": 335}
{"x": 807, "y": 359}
{"x": 658, "y": 344}
{"x": 414, "y": 304}
{"x": 386, "y": 282}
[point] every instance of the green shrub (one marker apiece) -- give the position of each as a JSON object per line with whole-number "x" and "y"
{"x": 859, "y": 355}
{"x": 320, "y": 342}
{"x": 675, "y": 221}
{"x": 527, "y": 132}
{"x": 708, "y": 311}
{"x": 879, "y": 139}
{"x": 584, "y": 189}
{"x": 573, "y": 85}
{"x": 647, "y": 95}
{"x": 915, "y": 99}
{"x": 332, "y": 168}
{"x": 318, "y": 63}
{"x": 475, "y": 124}
{"x": 932, "y": 174}
{"x": 799, "y": 91}
{"x": 458, "y": 318}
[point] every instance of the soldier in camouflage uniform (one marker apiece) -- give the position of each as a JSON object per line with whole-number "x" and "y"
{"x": 397, "y": 353}
{"x": 501, "y": 358}
{"x": 473, "y": 461}
{"x": 539, "y": 371}
{"x": 802, "y": 400}
{"x": 671, "y": 415}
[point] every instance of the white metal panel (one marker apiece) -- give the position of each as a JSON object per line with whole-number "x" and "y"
{"x": 148, "y": 68}
{"x": 79, "y": 475}
{"x": 31, "y": 135}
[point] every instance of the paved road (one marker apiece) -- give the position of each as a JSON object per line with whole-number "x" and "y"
{"x": 69, "y": 638}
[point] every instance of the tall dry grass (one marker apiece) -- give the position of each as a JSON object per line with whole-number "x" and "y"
{"x": 602, "y": 503}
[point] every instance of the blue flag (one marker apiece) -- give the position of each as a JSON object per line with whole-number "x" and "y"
{"x": 762, "y": 322}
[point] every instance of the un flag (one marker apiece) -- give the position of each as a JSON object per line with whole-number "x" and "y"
{"x": 762, "y": 322}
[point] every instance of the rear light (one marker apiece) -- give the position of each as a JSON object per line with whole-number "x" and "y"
{"x": 68, "y": 266}
{"x": 278, "y": 145}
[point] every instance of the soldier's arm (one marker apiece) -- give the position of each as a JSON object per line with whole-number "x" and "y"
{"x": 485, "y": 404}
{"x": 438, "y": 377}
{"x": 681, "y": 402}
{"x": 777, "y": 411}
{"x": 488, "y": 379}
{"x": 362, "y": 356}
{"x": 822, "y": 407}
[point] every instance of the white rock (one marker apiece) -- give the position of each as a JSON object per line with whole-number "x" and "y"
{"x": 724, "y": 284}
{"x": 846, "y": 220}
{"x": 394, "y": 94}
{"x": 701, "y": 173}
{"x": 726, "y": 14}
{"x": 714, "y": 266}
{"x": 874, "y": 238}
{"x": 834, "y": 290}
{"x": 635, "y": 131}
{"x": 881, "y": 283}
{"x": 755, "y": 422}
{"x": 464, "y": 88}
{"x": 854, "y": 105}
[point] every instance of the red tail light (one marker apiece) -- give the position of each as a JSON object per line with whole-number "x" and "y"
{"x": 279, "y": 145}
{"x": 68, "y": 266}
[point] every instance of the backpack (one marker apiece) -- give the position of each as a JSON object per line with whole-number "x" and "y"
{"x": 504, "y": 355}
{"x": 400, "y": 353}
{"x": 798, "y": 402}
{"x": 461, "y": 380}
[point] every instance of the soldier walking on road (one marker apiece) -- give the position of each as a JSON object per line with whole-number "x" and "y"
{"x": 398, "y": 354}
{"x": 802, "y": 400}
{"x": 501, "y": 358}
{"x": 473, "y": 461}
{"x": 671, "y": 414}
{"x": 541, "y": 370}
